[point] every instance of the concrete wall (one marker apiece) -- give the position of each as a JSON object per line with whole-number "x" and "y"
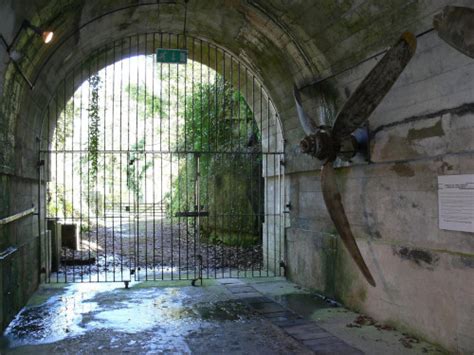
{"x": 424, "y": 128}
{"x": 19, "y": 241}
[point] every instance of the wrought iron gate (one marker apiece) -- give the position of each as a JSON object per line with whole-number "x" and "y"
{"x": 162, "y": 171}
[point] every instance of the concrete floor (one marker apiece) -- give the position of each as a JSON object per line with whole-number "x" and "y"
{"x": 227, "y": 316}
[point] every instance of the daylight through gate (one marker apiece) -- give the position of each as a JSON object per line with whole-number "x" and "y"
{"x": 162, "y": 171}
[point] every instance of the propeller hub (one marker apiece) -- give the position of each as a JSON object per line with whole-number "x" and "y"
{"x": 319, "y": 145}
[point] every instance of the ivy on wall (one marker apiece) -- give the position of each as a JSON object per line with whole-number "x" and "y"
{"x": 94, "y": 127}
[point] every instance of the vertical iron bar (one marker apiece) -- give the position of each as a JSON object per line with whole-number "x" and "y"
{"x": 224, "y": 114}
{"x": 260, "y": 188}
{"x": 81, "y": 215}
{"x": 267, "y": 178}
{"x": 129, "y": 177}
{"x": 171, "y": 161}
{"x": 137, "y": 166}
{"x": 231, "y": 219}
{"x": 145, "y": 201}
{"x": 193, "y": 157}
{"x": 112, "y": 172}
{"x": 178, "y": 156}
{"x": 122, "y": 253}
{"x": 47, "y": 187}
{"x": 273, "y": 180}
{"x": 104, "y": 162}
{"x": 253, "y": 159}
{"x": 185, "y": 205}
{"x": 72, "y": 99}
{"x": 201, "y": 148}
{"x": 209, "y": 157}
{"x": 88, "y": 172}
{"x": 250, "y": 158}
{"x": 63, "y": 156}
{"x": 216, "y": 84}
{"x": 241, "y": 157}
{"x": 161, "y": 161}
{"x": 96, "y": 71}
{"x": 153, "y": 155}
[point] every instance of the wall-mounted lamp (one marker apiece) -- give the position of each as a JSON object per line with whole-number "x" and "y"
{"x": 15, "y": 56}
{"x": 46, "y": 35}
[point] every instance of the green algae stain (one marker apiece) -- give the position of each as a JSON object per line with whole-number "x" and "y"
{"x": 427, "y": 132}
{"x": 403, "y": 170}
{"x": 45, "y": 292}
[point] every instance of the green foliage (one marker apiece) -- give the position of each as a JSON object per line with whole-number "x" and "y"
{"x": 137, "y": 168}
{"x": 94, "y": 127}
{"x": 64, "y": 125}
{"x": 149, "y": 105}
{"x": 216, "y": 118}
{"x": 58, "y": 204}
{"x": 219, "y": 121}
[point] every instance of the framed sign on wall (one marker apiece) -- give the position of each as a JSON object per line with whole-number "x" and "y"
{"x": 456, "y": 202}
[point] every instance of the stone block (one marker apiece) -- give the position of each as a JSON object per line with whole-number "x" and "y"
{"x": 55, "y": 252}
{"x": 45, "y": 245}
{"x": 70, "y": 236}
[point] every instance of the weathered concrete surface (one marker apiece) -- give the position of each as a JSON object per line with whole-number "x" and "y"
{"x": 422, "y": 129}
{"x": 231, "y": 316}
{"x": 107, "y": 318}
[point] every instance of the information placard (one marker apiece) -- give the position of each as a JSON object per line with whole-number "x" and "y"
{"x": 172, "y": 56}
{"x": 456, "y": 202}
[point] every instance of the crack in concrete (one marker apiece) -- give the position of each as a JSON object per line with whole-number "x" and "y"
{"x": 458, "y": 111}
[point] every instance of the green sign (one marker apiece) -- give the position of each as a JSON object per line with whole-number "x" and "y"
{"x": 172, "y": 56}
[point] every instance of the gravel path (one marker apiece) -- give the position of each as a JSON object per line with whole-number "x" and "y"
{"x": 162, "y": 247}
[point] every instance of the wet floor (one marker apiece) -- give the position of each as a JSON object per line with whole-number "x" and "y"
{"x": 154, "y": 318}
{"x": 106, "y": 318}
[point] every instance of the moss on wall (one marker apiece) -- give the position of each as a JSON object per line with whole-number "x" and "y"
{"x": 235, "y": 203}
{"x": 221, "y": 132}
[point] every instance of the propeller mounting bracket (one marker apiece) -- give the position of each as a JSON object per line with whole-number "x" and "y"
{"x": 356, "y": 143}
{"x": 320, "y": 145}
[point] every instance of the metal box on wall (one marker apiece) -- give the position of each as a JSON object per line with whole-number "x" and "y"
{"x": 70, "y": 236}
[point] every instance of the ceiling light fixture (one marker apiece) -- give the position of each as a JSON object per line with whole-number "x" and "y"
{"x": 14, "y": 55}
{"x": 46, "y": 35}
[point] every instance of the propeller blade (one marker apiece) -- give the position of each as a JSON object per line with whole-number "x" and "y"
{"x": 308, "y": 125}
{"x": 333, "y": 201}
{"x": 374, "y": 87}
{"x": 455, "y": 26}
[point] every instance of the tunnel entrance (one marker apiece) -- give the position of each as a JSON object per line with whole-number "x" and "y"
{"x": 159, "y": 171}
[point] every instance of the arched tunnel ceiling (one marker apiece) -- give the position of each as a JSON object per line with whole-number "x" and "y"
{"x": 302, "y": 40}
{"x": 284, "y": 42}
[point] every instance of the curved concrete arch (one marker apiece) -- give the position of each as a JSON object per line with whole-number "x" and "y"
{"x": 199, "y": 51}
{"x": 260, "y": 42}
{"x": 422, "y": 129}
{"x": 253, "y": 35}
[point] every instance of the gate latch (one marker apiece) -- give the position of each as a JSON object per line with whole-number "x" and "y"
{"x": 192, "y": 214}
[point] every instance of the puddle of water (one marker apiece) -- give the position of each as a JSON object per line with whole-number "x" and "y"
{"x": 55, "y": 319}
{"x": 172, "y": 309}
{"x": 301, "y": 303}
{"x": 88, "y": 308}
{"x": 222, "y": 311}
{"x": 138, "y": 314}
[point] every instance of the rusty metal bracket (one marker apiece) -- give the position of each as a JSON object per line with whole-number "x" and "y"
{"x": 7, "y": 252}
{"x": 18, "y": 216}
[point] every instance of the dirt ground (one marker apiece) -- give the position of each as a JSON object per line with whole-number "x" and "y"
{"x": 154, "y": 247}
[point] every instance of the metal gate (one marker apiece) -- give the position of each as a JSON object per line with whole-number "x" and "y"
{"x": 157, "y": 171}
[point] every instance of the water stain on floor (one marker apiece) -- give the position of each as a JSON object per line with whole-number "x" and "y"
{"x": 303, "y": 303}
{"x": 105, "y": 318}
